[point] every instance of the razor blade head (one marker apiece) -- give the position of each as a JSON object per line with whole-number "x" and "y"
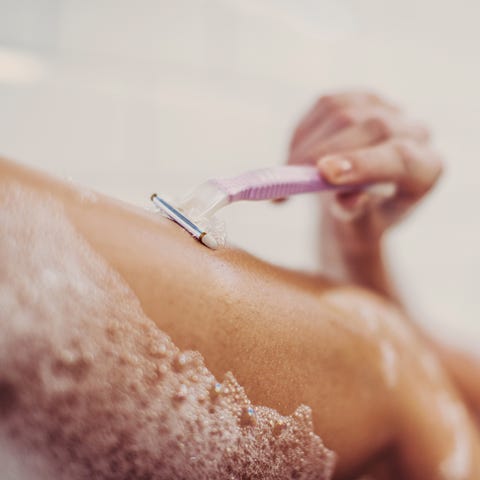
{"x": 205, "y": 200}
{"x": 186, "y": 223}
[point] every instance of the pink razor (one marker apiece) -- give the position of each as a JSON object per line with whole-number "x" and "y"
{"x": 263, "y": 184}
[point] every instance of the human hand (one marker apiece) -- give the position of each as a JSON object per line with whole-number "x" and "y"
{"x": 358, "y": 138}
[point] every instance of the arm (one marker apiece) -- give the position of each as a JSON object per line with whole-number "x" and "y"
{"x": 360, "y": 137}
{"x": 288, "y": 338}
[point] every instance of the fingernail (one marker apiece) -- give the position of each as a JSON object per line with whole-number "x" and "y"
{"x": 335, "y": 167}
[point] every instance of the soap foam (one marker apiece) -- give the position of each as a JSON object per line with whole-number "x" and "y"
{"x": 91, "y": 388}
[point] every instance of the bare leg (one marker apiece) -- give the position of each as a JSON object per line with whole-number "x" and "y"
{"x": 288, "y": 338}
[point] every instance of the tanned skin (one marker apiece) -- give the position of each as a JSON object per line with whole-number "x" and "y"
{"x": 289, "y": 338}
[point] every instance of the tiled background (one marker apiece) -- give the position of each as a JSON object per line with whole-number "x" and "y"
{"x": 135, "y": 96}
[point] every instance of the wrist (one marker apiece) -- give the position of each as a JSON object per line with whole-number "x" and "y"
{"x": 354, "y": 256}
{"x": 350, "y": 239}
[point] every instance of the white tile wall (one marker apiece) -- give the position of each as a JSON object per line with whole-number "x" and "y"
{"x": 131, "y": 97}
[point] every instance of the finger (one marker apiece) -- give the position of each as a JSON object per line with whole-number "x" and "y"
{"x": 341, "y": 119}
{"x": 330, "y": 104}
{"x": 411, "y": 165}
{"x": 374, "y": 130}
{"x": 356, "y": 128}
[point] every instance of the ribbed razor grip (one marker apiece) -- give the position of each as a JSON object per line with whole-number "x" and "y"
{"x": 271, "y": 183}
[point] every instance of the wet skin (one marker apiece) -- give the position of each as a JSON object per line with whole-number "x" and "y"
{"x": 289, "y": 338}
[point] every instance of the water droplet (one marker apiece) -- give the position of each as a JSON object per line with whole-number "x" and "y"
{"x": 298, "y": 414}
{"x": 181, "y": 393}
{"x": 162, "y": 370}
{"x": 216, "y": 390}
{"x": 67, "y": 357}
{"x": 180, "y": 361}
{"x": 278, "y": 427}
{"x": 158, "y": 350}
{"x": 248, "y": 417}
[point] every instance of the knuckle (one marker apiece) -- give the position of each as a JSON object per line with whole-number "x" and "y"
{"x": 370, "y": 97}
{"x": 419, "y": 164}
{"x": 328, "y": 103}
{"x": 377, "y": 97}
{"x": 406, "y": 148}
{"x": 344, "y": 118}
{"x": 379, "y": 128}
{"x": 407, "y": 152}
{"x": 380, "y": 100}
{"x": 373, "y": 96}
